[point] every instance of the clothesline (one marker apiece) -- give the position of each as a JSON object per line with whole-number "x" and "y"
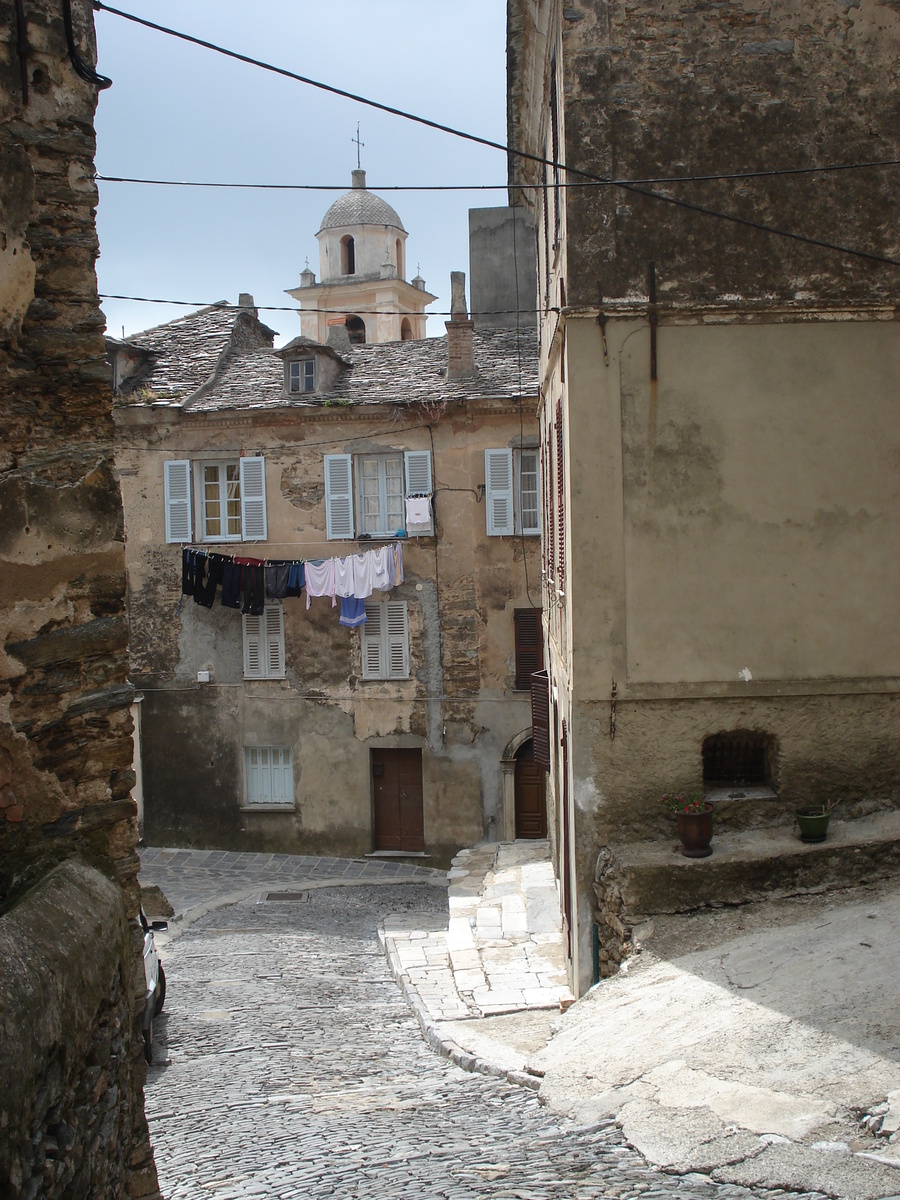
{"x": 247, "y": 582}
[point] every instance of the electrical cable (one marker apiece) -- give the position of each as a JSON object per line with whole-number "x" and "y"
{"x": 81, "y": 68}
{"x": 773, "y": 172}
{"x": 340, "y": 312}
{"x": 633, "y": 189}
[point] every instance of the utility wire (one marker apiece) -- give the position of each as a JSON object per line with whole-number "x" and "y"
{"x": 338, "y": 312}
{"x": 745, "y": 222}
{"x": 770, "y": 173}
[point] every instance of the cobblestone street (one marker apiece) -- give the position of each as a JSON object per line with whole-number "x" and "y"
{"x": 288, "y": 1064}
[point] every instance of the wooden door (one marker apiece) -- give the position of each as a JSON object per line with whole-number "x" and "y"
{"x": 531, "y": 801}
{"x": 397, "y": 817}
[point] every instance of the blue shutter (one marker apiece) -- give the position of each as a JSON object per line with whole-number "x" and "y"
{"x": 177, "y": 478}
{"x": 338, "y": 496}
{"x": 253, "y": 499}
{"x": 498, "y": 492}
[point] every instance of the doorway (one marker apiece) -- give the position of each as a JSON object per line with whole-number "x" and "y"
{"x": 397, "y": 816}
{"x": 530, "y": 793}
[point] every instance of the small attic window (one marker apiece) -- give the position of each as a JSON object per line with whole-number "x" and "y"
{"x": 301, "y": 375}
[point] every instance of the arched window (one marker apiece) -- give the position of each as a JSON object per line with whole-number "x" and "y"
{"x": 406, "y": 332}
{"x": 356, "y": 330}
{"x": 401, "y": 274}
{"x": 348, "y": 255}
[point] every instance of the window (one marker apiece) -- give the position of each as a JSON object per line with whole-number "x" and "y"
{"x": 739, "y": 758}
{"x": 529, "y": 645}
{"x": 366, "y": 494}
{"x": 301, "y": 375}
{"x": 356, "y": 331}
{"x": 348, "y": 255}
{"x": 230, "y": 498}
{"x": 264, "y": 643}
{"x": 269, "y": 776}
{"x": 512, "y": 491}
{"x": 385, "y": 640}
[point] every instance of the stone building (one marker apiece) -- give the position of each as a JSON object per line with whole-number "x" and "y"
{"x": 71, "y": 983}
{"x": 283, "y": 729}
{"x": 720, "y": 440}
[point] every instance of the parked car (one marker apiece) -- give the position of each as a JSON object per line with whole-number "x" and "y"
{"x": 155, "y": 980}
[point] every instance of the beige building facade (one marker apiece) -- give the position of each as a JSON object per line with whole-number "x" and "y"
{"x": 720, "y": 436}
{"x": 285, "y": 730}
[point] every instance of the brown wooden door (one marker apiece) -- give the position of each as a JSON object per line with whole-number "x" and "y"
{"x": 531, "y": 800}
{"x": 397, "y": 800}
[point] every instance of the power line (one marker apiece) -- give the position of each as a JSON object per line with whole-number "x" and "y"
{"x": 633, "y": 189}
{"x": 337, "y": 312}
{"x": 725, "y": 176}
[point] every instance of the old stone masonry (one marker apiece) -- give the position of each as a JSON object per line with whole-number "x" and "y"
{"x": 288, "y": 1064}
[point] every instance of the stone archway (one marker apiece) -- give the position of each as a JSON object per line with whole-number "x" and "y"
{"x": 508, "y": 767}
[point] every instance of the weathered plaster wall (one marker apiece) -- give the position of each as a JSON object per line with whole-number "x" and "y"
{"x": 65, "y": 745}
{"x": 808, "y": 83}
{"x": 459, "y": 705}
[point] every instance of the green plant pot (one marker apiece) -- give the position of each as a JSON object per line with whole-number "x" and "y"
{"x": 813, "y": 823}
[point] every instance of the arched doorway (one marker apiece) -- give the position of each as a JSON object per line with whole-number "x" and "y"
{"x": 356, "y": 331}
{"x": 530, "y": 794}
{"x": 406, "y": 332}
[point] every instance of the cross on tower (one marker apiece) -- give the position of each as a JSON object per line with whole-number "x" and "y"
{"x": 359, "y": 145}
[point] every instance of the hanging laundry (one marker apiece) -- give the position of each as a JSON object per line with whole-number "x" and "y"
{"x": 253, "y": 585}
{"x": 363, "y": 574}
{"x": 277, "y": 579}
{"x": 188, "y": 571}
{"x": 319, "y": 579}
{"x": 353, "y": 612}
{"x": 398, "y": 563}
{"x": 207, "y": 577}
{"x": 343, "y": 577}
{"x": 231, "y": 584}
{"x": 295, "y": 579}
{"x": 418, "y": 512}
{"x": 383, "y": 568}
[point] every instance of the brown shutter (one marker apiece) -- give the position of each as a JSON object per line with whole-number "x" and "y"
{"x": 540, "y": 718}
{"x": 529, "y": 645}
{"x": 551, "y": 509}
{"x": 560, "y": 498}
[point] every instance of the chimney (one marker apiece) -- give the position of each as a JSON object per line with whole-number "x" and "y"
{"x": 245, "y": 300}
{"x": 337, "y": 337}
{"x": 460, "y": 358}
{"x": 359, "y": 178}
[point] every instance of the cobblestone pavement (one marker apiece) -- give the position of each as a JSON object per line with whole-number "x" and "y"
{"x": 289, "y": 1065}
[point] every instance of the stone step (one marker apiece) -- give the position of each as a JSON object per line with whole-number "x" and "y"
{"x": 654, "y": 877}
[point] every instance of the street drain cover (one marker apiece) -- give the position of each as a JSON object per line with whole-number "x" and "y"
{"x": 287, "y": 896}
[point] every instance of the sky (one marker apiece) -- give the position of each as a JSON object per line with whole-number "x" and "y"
{"x": 182, "y": 112}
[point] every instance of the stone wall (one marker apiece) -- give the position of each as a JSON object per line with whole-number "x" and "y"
{"x": 65, "y": 728}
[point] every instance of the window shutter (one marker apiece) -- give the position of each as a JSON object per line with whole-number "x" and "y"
{"x": 551, "y": 512}
{"x": 177, "y": 477}
{"x": 273, "y": 616}
{"x": 253, "y": 647}
{"x": 529, "y": 645}
{"x": 498, "y": 485}
{"x": 371, "y": 642}
{"x": 397, "y": 640}
{"x": 540, "y": 718}
{"x": 419, "y": 481}
{"x": 338, "y": 496}
{"x": 253, "y": 499}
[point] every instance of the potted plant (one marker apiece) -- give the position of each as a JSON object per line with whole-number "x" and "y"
{"x": 813, "y": 822}
{"x": 693, "y": 818}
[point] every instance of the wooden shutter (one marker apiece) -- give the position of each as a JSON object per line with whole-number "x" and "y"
{"x": 338, "y": 496}
{"x": 396, "y": 639}
{"x": 498, "y": 488}
{"x": 254, "y": 657}
{"x": 370, "y": 641}
{"x": 253, "y": 499}
{"x": 273, "y": 623}
{"x": 551, "y": 513}
{"x": 540, "y": 718}
{"x": 529, "y": 645}
{"x": 177, "y": 478}
{"x": 560, "y": 498}
{"x": 282, "y": 791}
{"x": 419, "y": 481}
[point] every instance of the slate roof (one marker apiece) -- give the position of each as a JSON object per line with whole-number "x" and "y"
{"x": 194, "y": 348}
{"x": 360, "y": 207}
{"x": 186, "y": 352}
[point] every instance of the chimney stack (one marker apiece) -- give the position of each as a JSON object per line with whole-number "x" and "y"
{"x": 460, "y": 357}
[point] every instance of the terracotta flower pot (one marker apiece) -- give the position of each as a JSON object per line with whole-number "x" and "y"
{"x": 695, "y": 832}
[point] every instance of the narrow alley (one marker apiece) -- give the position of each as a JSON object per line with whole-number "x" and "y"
{"x": 287, "y": 1063}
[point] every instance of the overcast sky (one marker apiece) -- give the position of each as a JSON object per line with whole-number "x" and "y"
{"x": 177, "y": 111}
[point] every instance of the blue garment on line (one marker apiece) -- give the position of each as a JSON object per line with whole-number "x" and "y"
{"x": 353, "y": 612}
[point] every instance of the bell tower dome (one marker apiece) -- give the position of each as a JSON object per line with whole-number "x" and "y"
{"x": 362, "y": 265}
